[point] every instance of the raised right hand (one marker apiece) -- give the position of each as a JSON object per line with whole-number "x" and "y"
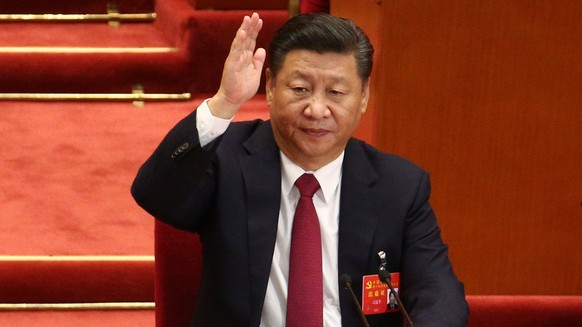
{"x": 241, "y": 75}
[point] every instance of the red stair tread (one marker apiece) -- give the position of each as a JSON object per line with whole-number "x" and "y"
{"x": 73, "y": 7}
{"x": 67, "y": 172}
{"x": 68, "y": 169}
{"x": 70, "y": 72}
{"x": 81, "y": 35}
{"x": 94, "y": 72}
{"x": 76, "y": 281}
{"x": 85, "y": 318}
{"x": 196, "y": 67}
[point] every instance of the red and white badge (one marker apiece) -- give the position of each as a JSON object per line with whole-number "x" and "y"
{"x": 377, "y": 297}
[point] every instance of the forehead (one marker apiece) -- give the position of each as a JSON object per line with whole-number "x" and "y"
{"x": 307, "y": 63}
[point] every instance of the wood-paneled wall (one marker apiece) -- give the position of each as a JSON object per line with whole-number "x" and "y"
{"x": 487, "y": 96}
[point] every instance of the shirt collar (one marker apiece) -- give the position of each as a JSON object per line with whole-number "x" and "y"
{"x": 328, "y": 176}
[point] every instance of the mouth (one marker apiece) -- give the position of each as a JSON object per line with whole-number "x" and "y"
{"x": 315, "y": 132}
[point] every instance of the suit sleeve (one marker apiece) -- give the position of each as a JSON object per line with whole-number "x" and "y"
{"x": 430, "y": 289}
{"x": 176, "y": 184}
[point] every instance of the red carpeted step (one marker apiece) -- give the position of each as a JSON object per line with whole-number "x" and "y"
{"x": 67, "y": 169}
{"x": 75, "y": 318}
{"x": 74, "y": 7}
{"x": 208, "y": 38}
{"x": 201, "y": 37}
{"x": 89, "y": 34}
{"x": 66, "y": 173}
{"x": 89, "y": 58}
{"x": 93, "y": 72}
{"x": 66, "y": 279}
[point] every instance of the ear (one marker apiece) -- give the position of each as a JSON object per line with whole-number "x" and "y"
{"x": 269, "y": 86}
{"x": 365, "y": 95}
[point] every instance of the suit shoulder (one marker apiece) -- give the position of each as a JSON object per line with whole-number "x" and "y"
{"x": 238, "y": 132}
{"x": 385, "y": 162}
{"x": 246, "y": 127}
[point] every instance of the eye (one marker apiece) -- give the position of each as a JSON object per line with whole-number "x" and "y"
{"x": 300, "y": 90}
{"x": 336, "y": 92}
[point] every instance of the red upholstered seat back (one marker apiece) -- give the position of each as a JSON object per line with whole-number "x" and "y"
{"x": 525, "y": 311}
{"x": 178, "y": 269}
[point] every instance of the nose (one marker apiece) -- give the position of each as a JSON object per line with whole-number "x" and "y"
{"x": 317, "y": 108}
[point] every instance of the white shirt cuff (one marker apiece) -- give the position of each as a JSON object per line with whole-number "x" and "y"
{"x": 208, "y": 126}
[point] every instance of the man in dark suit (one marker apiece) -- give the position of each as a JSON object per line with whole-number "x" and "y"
{"x": 233, "y": 183}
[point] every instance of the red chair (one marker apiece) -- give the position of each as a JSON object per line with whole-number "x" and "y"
{"x": 525, "y": 310}
{"x": 178, "y": 254}
{"x": 178, "y": 269}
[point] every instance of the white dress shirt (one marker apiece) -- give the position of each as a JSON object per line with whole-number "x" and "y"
{"x": 326, "y": 202}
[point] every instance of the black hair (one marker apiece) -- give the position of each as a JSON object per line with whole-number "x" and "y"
{"x": 322, "y": 33}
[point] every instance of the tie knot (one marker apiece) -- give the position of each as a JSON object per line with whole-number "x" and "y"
{"x": 307, "y": 185}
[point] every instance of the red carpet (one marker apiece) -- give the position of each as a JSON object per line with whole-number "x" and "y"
{"x": 66, "y": 173}
{"x": 94, "y": 34}
{"x": 73, "y": 7}
{"x": 196, "y": 65}
{"x": 76, "y": 279}
{"x": 65, "y": 179}
{"x": 67, "y": 170}
{"x": 71, "y": 231}
{"x": 117, "y": 318}
{"x": 142, "y": 54}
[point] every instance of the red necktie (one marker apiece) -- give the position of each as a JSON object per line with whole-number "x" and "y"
{"x": 305, "y": 297}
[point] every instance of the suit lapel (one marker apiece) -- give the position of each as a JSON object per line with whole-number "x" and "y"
{"x": 261, "y": 170}
{"x": 359, "y": 210}
{"x": 359, "y": 214}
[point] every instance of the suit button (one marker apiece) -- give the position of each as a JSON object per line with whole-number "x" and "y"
{"x": 180, "y": 150}
{"x": 184, "y": 146}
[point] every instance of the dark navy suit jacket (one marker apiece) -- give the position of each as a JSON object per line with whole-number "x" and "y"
{"x": 230, "y": 193}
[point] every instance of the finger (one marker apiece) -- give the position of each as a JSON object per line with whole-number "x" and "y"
{"x": 239, "y": 37}
{"x": 238, "y": 41}
{"x": 259, "y": 59}
{"x": 251, "y": 26}
{"x": 244, "y": 43}
{"x": 254, "y": 27}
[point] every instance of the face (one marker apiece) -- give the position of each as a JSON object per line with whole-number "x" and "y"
{"x": 316, "y": 101}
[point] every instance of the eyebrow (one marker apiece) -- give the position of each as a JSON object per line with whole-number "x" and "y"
{"x": 334, "y": 78}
